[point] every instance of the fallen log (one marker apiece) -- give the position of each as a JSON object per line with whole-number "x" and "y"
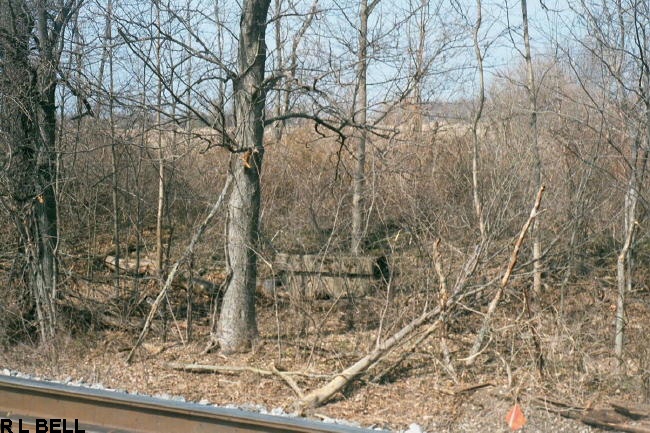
{"x": 236, "y": 369}
{"x": 324, "y": 393}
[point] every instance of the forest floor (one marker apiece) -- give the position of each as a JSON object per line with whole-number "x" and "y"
{"x": 579, "y": 367}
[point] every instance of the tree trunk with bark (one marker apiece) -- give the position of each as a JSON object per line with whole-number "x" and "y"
{"x": 28, "y": 125}
{"x": 537, "y": 162}
{"x": 359, "y": 176}
{"x": 476, "y": 194}
{"x": 623, "y": 277}
{"x": 237, "y": 326}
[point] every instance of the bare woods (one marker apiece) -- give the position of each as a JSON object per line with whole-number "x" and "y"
{"x": 159, "y": 156}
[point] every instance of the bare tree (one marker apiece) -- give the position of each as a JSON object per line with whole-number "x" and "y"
{"x": 31, "y": 40}
{"x": 476, "y": 194}
{"x": 287, "y": 57}
{"x": 421, "y": 15}
{"x": 361, "y": 118}
{"x": 108, "y": 58}
{"x": 237, "y": 325}
{"x": 159, "y": 136}
{"x": 531, "y": 90}
{"x": 615, "y": 76}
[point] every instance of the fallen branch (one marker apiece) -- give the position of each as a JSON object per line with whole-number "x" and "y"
{"x": 289, "y": 380}
{"x": 470, "y": 388}
{"x": 324, "y": 393}
{"x": 620, "y": 417}
{"x": 321, "y": 395}
{"x": 236, "y": 369}
{"x": 286, "y": 376}
{"x": 476, "y": 348}
{"x": 610, "y": 419}
{"x": 461, "y": 389}
{"x": 189, "y": 251}
{"x": 552, "y": 403}
{"x": 444, "y": 302}
{"x": 405, "y": 354}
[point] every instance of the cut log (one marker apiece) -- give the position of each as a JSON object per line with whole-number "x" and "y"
{"x": 332, "y": 265}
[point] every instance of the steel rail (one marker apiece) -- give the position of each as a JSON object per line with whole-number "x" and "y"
{"x": 104, "y": 411}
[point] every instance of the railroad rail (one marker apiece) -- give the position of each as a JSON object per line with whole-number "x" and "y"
{"x": 25, "y": 402}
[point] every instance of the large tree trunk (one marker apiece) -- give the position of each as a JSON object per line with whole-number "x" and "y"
{"x": 237, "y": 325}
{"x": 35, "y": 218}
{"x": 43, "y": 264}
{"x": 28, "y": 126}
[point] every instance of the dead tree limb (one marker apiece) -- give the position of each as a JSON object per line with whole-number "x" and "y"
{"x": 476, "y": 348}
{"x": 443, "y": 297}
{"x": 289, "y": 380}
{"x": 632, "y": 410}
{"x": 236, "y": 369}
{"x": 603, "y": 420}
{"x": 286, "y": 376}
{"x": 324, "y": 393}
{"x": 189, "y": 251}
{"x": 405, "y": 354}
{"x": 321, "y": 395}
{"x": 442, "y": 301}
